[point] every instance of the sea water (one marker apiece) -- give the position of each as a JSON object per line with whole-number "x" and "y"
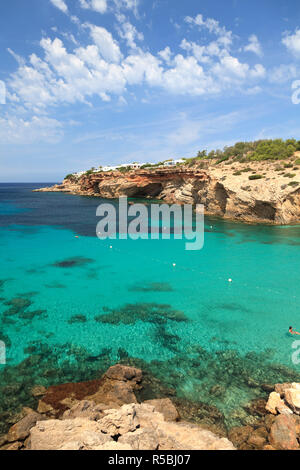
{"x": 170, "y": 308}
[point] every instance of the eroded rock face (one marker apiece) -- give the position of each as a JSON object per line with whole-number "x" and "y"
{"x": 116, "y": 388}
{"x": 20, "y": 431}
{"x": 132, "y": 427}
{"x": 222, "y": 190}
{"x": 75, "y": 434}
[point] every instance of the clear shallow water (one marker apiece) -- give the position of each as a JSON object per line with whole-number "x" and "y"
{"x": 230, "y": 335}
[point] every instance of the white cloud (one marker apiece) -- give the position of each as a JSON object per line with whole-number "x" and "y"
{"x": 97, "y": 5}
{"x": 225, "y": 37}
{"x": 166, "y": 54}
{"x": 254, "y": 46}
{"x": 70, "y": 73}
{"x": 102, "y": 6}
{"x": 128, "y": 32}
{"x": 108, "y": 47}
{"x": 292, "y": 42}
{"x": 19, "y": 131}
{"x": 60, "y": 4}
{"x": 283, "y": 73}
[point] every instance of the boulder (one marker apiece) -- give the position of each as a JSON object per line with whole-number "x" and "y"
{"x": 116, "y": 388}
{"x": 118, "y": 422}
{"x": 258, "y": 438}
{"x": 283, "y": 433}
{"x": 38, "y": 391}
{"x": 166, "y": 407}
{"x": 274, "y": 402}
{"x": 281, "y": 388}
{"x": 20, "y": 431}
{"x": 292, "y": 397}
{"x": 85, "y": 409}
{"x": 239, "y": 435}
{"x": 74, "y": 434}
{"x": 124, "y": 373}
{"x": 141, "y": 439}
{"x": 12, "y": 446}
{"x": 132, "y": 427}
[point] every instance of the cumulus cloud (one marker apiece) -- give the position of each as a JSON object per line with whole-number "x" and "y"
{"x": 19, "y": 131}
{"x": 67, "y": 73}
{"x": 107, "y": 46}
{"x": 292, "y": 42}
{"x": 102, "y": 6}
{"x": 284, "y": 73}
{"x": 97, "y": 5}
{"x": 128, "y": 32}
{"x": 60, "y": 4}
{"x": 254, "y": 46}
{"x": 225, "y": 37}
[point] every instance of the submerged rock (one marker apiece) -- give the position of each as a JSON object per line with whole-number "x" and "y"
{"x": 73, "y": 262}
{"x": 146, "y": 312}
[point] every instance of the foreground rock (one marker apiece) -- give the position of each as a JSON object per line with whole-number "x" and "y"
{"x": 260, "y": 192}
{"x": 116, "y": 388}
{"x": 283, "y": 433}
{"x": 132, "y": 427}
{"x": 97, "y": 415}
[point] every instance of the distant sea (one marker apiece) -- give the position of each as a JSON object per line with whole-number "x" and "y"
{"x": 71, "y": 307}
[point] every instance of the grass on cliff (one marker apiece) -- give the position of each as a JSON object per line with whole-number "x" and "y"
{"x": 260, "y": 150}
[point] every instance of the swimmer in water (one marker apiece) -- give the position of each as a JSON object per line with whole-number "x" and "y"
{"x": 292, "y": 332}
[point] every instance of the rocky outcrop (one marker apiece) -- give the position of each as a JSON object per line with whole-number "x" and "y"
{"x": 132, "y": 427}
{"x": 270, "y": 196}
{"x": 116, "y": 388}
{"x": 96, "y": 415}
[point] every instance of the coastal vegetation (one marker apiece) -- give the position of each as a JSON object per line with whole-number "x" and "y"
{"x": 260, "y": 150}
{"x": 241, "y": 152}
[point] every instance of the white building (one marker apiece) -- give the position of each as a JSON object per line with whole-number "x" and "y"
{"x": 174, "y": 162}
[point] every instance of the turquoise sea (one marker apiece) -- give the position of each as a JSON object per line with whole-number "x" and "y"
{"x": 70, "y": 307}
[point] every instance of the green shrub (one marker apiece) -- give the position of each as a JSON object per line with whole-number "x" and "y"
{"x": 246, "y": 170}
{"x": 289, "y": 175}
{"x": 293, "y": 183}
{"x": 237, "y": 173}
{"x": 221, "y": 160}
{"x": 297, "y": 162}
{"x": 255, "y": 177}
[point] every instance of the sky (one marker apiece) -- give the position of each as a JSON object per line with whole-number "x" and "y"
{"x": 85, "y": 83}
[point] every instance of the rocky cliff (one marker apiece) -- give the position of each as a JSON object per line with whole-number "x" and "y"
{"x": 260, "y": 192}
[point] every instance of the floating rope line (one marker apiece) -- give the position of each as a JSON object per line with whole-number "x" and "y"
{"x": 182, "y": 268}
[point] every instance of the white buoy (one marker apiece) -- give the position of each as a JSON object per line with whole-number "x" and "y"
{"x": 230, "y": 280}
{"x": 110, "y": 247}
{"x": 174, "y": 265}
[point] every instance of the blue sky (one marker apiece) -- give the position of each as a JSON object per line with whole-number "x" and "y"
{"x": 95, "y": 82}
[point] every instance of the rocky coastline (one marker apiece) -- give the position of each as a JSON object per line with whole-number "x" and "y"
{"x": 108, "y": 414}
{"x": 265, "y": 192}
